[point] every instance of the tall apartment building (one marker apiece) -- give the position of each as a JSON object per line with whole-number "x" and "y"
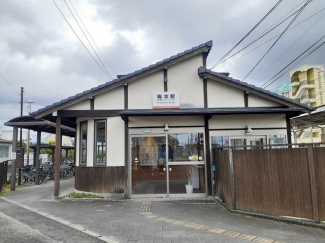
{"x": 308, "y": 85}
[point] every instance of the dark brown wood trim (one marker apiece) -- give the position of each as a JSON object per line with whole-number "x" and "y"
{"x": 127, "y": 171}
{"x": 246, "y": 98}
{"x": 288, "y": 128}
{"x": 208, "y": 157}
{"x": 58, "y": 140}
{"x": 205, "y": 92}
{"x": 89, "y": 113}
{"x": 313, "y": 186}
{"x": 254, "y": 91}
{"x": 79, "y": 142}
{"x": 122, "y": 82}
{"x": 165, "y": 79}
{"x": 95, "y": 164}
{"x": 204, "y": 58}
{"x": 126, "y": 96}
{"x": 92, "y": 103}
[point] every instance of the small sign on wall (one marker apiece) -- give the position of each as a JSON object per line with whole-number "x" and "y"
{"x": 165, "y": 100}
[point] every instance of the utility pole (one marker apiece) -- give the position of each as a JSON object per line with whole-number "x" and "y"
{"x": 21, "y": 114}
{"x": 29, "y": 107}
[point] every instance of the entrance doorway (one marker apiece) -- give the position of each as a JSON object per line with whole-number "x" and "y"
{"x": 168, "y": 164}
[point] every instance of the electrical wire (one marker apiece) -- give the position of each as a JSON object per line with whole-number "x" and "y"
{"x": 259, "y": 37}
{"x": 290, "y": 47}
{"x": 259, "y": 22}
{"x": 92, "y": 38}
{"x": 297, "y": 60}
{"x": 10, "y": 84}
{"x": 88, "y": 39}
{"x": 299, "y": 12}
{"x": 80, "y": 39}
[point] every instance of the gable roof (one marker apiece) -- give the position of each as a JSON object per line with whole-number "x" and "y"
{"x": 123, "y": 79}
{"x": 222, "y": 78}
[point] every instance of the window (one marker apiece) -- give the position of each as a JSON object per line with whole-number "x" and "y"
{"x": 100, "y": 142}
{"x": 83, "y": 143}
{"x": 186, "y": 147}
{"x": 4, "y": 151}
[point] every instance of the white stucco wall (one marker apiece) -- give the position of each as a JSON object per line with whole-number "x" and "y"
{"x": 256, "y": 101}
{"x": 157, "y": 121}
{"x": 183, "y": 78}
{"x": 82, "y": 105}
{"x": 255, "y": 121}
{"x": 110, "y": 100}
{"x": 221, "y": 95}
{"x": 140, "y": 91}
{"x": 115, "y": 142}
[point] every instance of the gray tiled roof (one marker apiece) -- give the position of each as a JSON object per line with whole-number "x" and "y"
{"x": 123, "y": 77}
{"x": 203, "y": 70}
{"x": 5, "y": 141}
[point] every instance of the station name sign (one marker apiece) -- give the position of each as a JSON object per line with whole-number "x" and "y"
{"x": 165, "y": 100}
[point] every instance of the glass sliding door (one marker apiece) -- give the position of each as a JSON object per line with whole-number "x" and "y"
{"x": 186, "y": 163}
{"x": 148, "y": 164}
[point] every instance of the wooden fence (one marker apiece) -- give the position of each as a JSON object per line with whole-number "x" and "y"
{"x": 286, "y": 182}
{"x": 3, "y": 174}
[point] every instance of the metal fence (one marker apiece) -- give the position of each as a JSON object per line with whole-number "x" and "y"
{"x": 284, "y": 181}
{"x": 3, "y": 174}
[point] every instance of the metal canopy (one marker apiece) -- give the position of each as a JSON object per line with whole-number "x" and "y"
{"x": 29, "y": 122}
{"x": 315, "y": 118}
{"x": 51, "y": 146}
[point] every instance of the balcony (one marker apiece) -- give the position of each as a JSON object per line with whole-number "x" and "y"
{"x": 294, "y": 81}
{"x": 302, "y": 87}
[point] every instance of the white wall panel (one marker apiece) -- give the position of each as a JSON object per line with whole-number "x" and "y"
{"x": 221, "y": 95}
{"x": 255, "y": 121}
{"x": 82, "y": 105}
{"x": 115, "y": 142}
{"x": 140, "y": 91}
{"x": 110, "y": 100}
{"x": 256, "y": 101}
{"x": 183, "y": 78}
{"x": 171, "y": 120}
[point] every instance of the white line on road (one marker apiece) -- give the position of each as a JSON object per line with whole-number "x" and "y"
{"x": 61, "y": 221}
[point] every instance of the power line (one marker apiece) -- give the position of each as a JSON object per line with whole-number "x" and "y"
{"x": 10, "y": 84}
{"x": 268, "y": 13}
{"x": 259, "y": 37}
{"x": 297, "y": 60}
{"x": 88, "y": 40}
{"x": 299, "y": 12}
{"x": 92, "y": 38}
{"x": 290, "y": 46}
{"x": 80, "y": 39}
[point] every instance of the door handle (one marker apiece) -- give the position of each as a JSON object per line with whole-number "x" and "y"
{"x": 170, "y": 169}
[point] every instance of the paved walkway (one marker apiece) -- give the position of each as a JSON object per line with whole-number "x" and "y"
{"x": 155, "y": 220}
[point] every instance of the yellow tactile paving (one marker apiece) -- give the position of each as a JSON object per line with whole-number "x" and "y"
{"x": 145, "y": 210}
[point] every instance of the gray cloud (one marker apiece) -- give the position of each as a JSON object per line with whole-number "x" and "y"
{"x": 40, "y": 52}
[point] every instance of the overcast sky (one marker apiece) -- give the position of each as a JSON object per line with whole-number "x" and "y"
{"x": 40, "y": 52}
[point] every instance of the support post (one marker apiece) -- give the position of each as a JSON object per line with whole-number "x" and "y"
{"x": 13, "y": 161}
{"x": 313, "y": 189}
{"x": 232, "y": 179}
{"x": 37, "y": 163}
{"x": 57, "y": 157}
{"x": 208, "y": 156}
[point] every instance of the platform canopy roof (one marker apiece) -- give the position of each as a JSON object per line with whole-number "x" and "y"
{"x": 315, "y": 118}
{"x": 31, "y": 123}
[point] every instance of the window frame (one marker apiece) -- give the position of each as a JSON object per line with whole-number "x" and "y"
{"x": 80, "y": 143}
{"x": 95, "y": 163}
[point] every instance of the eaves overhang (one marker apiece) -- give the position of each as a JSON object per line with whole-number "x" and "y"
{"x": 124, "y": 79}
{"x": 204, "y": 72}
{"x": 210, "y": 111}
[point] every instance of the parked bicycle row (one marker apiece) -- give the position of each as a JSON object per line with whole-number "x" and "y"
{"x": 46, "y": 173}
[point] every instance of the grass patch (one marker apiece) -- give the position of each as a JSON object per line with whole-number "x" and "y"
{"x": 83, "y": 195}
